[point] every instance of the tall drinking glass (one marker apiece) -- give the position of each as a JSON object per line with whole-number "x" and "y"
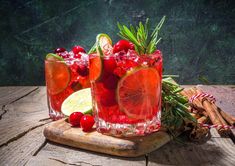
{"x": 64, "y": 77}
{"x": 126, "y": 93}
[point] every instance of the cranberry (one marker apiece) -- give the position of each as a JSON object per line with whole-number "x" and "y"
{"x": 75, "y": 118}
{"x": 77, "y": 56}
{"x": 60, "y": 49}
{"x": 110, "y": 81}
{"x": 123, "y": 45}
{"x": 119, "y": 71}
{"x": 78, "y": 49}
{"x": 110, "y": 64}
{"x": 83, "y": 70}
{"x": 107, "y": 97}
{"x": 87, "y": 122}
{"x": 64, "y": 54}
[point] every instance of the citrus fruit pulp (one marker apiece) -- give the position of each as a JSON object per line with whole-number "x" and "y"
{"x": 57, "y": 75}
{"x": 139, "y": 93}
{"x": 95, "y": 69}
{"x": 79, "y": 101}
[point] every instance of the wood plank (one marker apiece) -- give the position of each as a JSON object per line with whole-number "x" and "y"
{"x": 225, "y": 96}
{"x": 11, "y": 93}
{"x": 23, "y": 115}
{"x": 217, "y": 151}
{"x": 18, "y": 152}
{"x": 54, "y": 154}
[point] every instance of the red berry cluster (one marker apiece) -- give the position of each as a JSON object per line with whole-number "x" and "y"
{"x": 78, "y": 119}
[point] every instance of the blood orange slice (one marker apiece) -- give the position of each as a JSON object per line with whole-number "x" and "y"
{"x": 57, "y": 75}
{"x": 138, "y": 93}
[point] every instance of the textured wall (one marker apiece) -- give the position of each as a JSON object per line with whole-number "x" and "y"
{"x": 198, "y": 36}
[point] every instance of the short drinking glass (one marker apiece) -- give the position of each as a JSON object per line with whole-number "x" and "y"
{"x": 126, "y": 93}
{"x": 63, "y": 77}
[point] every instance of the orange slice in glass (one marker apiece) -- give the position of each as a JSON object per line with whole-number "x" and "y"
{"x": 57, "y": 74}
{"x": 139, "y": 93}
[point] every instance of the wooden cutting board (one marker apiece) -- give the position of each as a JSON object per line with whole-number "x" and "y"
{"x": 61, "y": 132}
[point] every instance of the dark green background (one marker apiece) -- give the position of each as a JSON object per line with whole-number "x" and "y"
{"x": 198, "y": 36}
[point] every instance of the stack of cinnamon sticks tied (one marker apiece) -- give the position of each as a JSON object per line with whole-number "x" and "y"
{"x": 207, "y": 112}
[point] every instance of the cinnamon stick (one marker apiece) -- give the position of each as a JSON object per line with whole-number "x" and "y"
{"x": 196, "y": 103}
{"x": 215, "y": 117}
{"x": 202, "y": 119}
{"x": 225, "y": 115}
{"x": 196, "y": 116}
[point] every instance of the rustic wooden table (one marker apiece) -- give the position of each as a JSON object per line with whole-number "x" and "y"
{"x": 24, "y": 115}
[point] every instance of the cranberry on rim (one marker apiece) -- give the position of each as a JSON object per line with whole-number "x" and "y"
{"x": 78, "y": 49}
{"x": 59, "y": 50}
{"x": 123, "y": 45}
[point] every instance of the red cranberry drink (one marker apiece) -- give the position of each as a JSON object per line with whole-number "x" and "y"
{"x": 65, "y": 72}
{"x": 126, "y": 89}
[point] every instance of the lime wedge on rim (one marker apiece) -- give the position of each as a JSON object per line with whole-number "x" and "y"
{"x": 51, "y": 56}
{"x": 103, "y": 44}
{"x": 79, "y": 101}
{"x": 103, "y": 47}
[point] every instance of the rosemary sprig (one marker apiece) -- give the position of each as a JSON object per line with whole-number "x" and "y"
{"x": 139, "y": 36}
{"x": 175, "y": 105}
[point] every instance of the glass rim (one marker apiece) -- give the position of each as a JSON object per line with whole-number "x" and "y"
{"x": 116, "y": 55}
{"x": 67, "y": 61}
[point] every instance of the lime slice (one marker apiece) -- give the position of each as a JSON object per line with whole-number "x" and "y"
{"x": 79, "y": 101}
{"x": 95, "y": 67}
{"x": 138, "y": 93}
{"x": 103, "y": 44}
{"x": 57, "y": 74}
{"x": 51, "y": 56}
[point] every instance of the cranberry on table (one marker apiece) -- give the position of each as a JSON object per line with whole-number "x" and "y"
{"x": 74, "y": 118}
{"x": 123, "y": 45}
{"x": 87, "y": 122}
{"x": 78, "y": 49}
{"x": 59, "y": 50}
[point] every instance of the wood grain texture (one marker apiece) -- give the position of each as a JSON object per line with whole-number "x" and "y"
{"x": 19, "y": 151}
{"x": 23, "y": 115}
{"x": 54, "y": 154}
{"x": 10, "y": 94}
{"x": 21, "y": 125}
{"x": 62, "y": 132}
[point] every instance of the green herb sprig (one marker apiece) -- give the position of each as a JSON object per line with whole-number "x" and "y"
{"x": 174, "y": 105}
{"x": 139, "y": 36}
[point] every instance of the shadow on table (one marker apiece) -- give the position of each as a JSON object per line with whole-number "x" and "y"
{"x": 175, "y": 153}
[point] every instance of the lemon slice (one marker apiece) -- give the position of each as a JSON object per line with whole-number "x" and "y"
{"x": 79, "y": 101}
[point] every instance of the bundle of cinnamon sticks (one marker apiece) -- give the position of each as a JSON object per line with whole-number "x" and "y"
{"x": 207, "y": 112}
